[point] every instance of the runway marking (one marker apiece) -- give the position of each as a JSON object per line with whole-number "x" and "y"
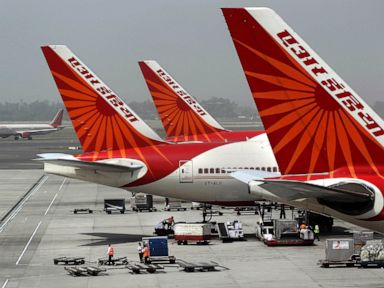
{"x": 61, "y": 186}
{"x": 5, "y": 284}
{"x": 19, "y": 206}
{"x": 29, "y": 242}
{"x": 46, "y": 211}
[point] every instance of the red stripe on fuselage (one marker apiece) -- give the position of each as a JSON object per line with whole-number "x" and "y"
{"x": 156, "y": 163}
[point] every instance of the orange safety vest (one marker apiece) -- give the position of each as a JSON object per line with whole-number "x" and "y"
{"x": 146, "y": 252}
{"x": 110, "y": 251}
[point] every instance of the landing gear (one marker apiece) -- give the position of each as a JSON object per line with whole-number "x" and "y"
{"x": 17, "y": 137}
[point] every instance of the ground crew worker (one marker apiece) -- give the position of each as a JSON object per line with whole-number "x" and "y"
{"x": 282, "y": 211}
{"x": 140, "y": 251}
{"x": 146, "y": 254}
{"x": 316, "y": 231}
{"x": 170, "y": 222}
{"x": 110, "y": 253}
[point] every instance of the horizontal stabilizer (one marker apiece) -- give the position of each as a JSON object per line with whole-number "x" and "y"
{"x": 118, "y": 165}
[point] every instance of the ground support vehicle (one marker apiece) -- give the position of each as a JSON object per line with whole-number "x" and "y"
{"x": 200, "y": 233}
{"x": 230, "y": 231}
{"x": 283, "y": 233}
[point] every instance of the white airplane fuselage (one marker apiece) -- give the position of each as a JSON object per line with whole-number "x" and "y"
{"x": 203, "y": 178}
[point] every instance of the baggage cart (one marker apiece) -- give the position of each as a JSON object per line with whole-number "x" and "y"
{"x": 117, "y": 261}
{"x": 199, "y": 266}
{"x": 69, "y": 260}
{"x": 174, "y": 204}
{"x": 138, "y": 267}
{"x": 114, "y": 205}
{"x": 197, "y": 232}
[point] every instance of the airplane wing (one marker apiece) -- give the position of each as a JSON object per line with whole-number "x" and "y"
{"x": 118, "y": 165}
{"x": 289, "y": 190}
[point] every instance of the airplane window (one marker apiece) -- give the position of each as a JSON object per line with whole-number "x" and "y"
{"x": 212, "y": 170}
{"x": 274, "y": 169}
{"x": 252, "y": 168}
{"x": 257, "y": 168}
{"x": 269, "y": 169}
{"x": 262, "y": 168}
{"x": 200, "y": 171}
{"x": 218, "y": 170}
{"x": 206, "y": 170}
{"x": 223, "y": 171}
{"x": 245, "y": 168}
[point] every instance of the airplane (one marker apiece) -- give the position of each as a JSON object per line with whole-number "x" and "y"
{"x": 327, "y": 141}
{"x": 121, "y": 150}
{"x": 27, "y": 130}
{"x": 183, "y": 118}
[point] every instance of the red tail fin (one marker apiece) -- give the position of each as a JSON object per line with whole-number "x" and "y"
{"x": 314, "y": 120}
{"x": 56, "y": 121}
{"x": 182, "y": 116}
{"x": 100, "y": 118}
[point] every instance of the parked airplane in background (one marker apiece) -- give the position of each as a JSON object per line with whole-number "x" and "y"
{"x": 121, "y": 150}
{"x": 183, "y": 118}
{"x": 27, "y": 130}
{"x": 327, "y": 141}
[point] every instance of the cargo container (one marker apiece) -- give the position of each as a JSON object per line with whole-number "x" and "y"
{"x": 339, "y": 252}
{"x": 198, "y": 232}
{"x": 142, "y": 202}
{"x": 158, "y": 246}
{"x": 360, "y": 238}
{"x": 158, "y": 249}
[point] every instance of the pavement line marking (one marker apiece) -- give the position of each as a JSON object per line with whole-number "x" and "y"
{"x": 21, "y": 204}
{"x": 61, "y": 186}
{"x": 46, "y": 211}
{"x": 29, "y": 242}
{"x": 5, "y": 284}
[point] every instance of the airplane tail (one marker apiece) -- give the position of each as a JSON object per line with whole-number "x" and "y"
{"x": 56, "y": 121}
{"x": 315, "y": 122}
{"x": 182, "y": 116}
{"x": 102, "y": 121}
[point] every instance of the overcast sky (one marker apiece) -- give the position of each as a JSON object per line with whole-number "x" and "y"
{"x": 188, "y": 38}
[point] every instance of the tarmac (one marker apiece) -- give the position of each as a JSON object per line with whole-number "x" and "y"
{"x": 39, "y": 224}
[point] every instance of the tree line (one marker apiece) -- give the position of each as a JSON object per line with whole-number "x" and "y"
{"x": 219, "y": 108}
